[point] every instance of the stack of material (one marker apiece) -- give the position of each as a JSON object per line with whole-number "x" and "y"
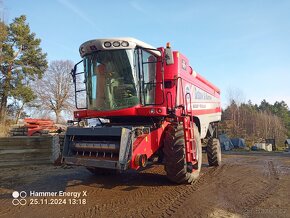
{"x": 19, "y": 130}
{"x": 46, "y": 124}
{"x": 33, "y": 127}
{"x": 24, "y": 150}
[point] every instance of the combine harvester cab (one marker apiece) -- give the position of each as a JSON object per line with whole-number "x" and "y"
{"x": 155, "y": 105}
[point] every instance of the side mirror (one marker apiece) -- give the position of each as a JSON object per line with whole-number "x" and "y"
{"x": 169, "y": 55}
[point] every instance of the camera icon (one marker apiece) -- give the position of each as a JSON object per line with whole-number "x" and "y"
{"x": 19, "y": 198}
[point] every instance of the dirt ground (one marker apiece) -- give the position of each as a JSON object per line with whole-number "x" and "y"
{"x": 248, "y": 184}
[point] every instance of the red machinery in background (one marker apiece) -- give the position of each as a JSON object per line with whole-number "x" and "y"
{"x": 39, "y": 126}
{"x": 34, "y": 127}
{"x": 155, "y": 105}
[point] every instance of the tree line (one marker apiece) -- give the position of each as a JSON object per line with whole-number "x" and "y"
{"x": 26, "y": 78}
{"x": 255, "y": 122}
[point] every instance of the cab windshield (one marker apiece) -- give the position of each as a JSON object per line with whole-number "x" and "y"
{"x": 111, "y": 80}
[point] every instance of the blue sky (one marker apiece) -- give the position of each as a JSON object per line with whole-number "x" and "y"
{"x": 238, "y": 45}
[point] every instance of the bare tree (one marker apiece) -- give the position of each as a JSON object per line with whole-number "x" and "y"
{"x": 55, "y": 91}
{"x": 235, "y": 95}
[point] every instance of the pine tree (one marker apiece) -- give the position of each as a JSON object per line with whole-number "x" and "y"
{"x": 22, "y": 60}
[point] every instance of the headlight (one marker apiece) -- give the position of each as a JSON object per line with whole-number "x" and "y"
{"x": 125, "y": 44}
{"x": 116, "y": 44}
{"x": 107, "y": 44}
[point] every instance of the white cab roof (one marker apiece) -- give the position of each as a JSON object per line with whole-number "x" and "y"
{"x": 121, "y": 42}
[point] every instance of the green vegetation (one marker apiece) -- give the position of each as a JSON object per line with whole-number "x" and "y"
{"x": 22, "y": 61}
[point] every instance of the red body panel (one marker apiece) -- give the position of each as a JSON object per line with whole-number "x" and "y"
{"x": 148, "y": 111}
{"x": 147, "y": 144}
{"x": 187, "y": 81}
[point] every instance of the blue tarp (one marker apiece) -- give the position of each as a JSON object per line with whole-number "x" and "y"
{"x": 225, "y": 142}
{"x": 238, "y": 142}
{"x": 228, "y": 144}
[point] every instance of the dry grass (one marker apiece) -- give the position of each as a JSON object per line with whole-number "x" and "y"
{"x": 4, "y": 130}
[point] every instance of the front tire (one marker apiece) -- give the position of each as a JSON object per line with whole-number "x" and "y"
{"x": 175, "y": 165}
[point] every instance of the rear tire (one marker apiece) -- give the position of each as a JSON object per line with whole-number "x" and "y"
{"x": 213, "y": 151}
{"x": 175, "y": 165}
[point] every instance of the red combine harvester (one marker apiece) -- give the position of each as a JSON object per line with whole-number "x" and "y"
{"x": 155, "y": 105}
